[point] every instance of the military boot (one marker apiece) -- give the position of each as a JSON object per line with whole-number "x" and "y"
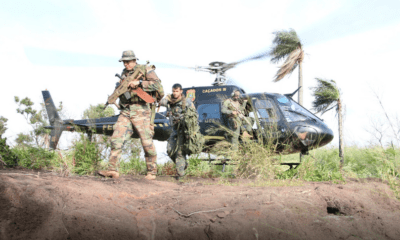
{"x": 108, "y": 173}
{"x": 151, "y": 167}
{"x": 150, "y": 176}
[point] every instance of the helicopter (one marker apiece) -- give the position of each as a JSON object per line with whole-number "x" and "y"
{"x": 291, "y": 124}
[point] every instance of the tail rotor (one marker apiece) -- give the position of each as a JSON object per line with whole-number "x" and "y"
{"x": 56, "y": 123}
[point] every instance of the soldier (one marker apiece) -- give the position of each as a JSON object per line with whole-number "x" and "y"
{"x": 234, "y": 110}
{"x": 136, "y": 115}
{"x": 177, "y": 105}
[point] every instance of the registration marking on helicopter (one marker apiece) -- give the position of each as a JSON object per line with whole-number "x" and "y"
{"x": 210, "y": 90}
{"x": 108, "y": 127}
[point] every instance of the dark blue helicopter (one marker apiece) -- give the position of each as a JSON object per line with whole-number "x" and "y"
{"x": 294, "y": 128}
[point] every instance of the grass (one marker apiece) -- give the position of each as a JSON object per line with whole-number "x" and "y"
{"x": 252, "y": 162}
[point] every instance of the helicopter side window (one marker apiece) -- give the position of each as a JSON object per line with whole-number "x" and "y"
{"x": 207, "y": 111}
{"x": 265, "y": 110}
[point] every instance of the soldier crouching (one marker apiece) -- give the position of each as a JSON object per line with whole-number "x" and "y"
{"x": 136, "y": 115}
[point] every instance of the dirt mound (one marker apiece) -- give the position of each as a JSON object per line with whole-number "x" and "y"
{"x": 45, "y": 206}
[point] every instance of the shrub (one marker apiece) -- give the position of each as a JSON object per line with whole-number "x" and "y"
{"x": 87, "y": 156}
{"x": 6, "y": 154}
{"x": 134, "y": 165}
{"x": 34, "y": 157}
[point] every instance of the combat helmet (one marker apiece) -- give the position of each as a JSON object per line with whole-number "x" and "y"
{"x": 128, "y": 55}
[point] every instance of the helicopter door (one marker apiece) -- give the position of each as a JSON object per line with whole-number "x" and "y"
{"x": 209, "y": 116}
{"x": 267, "y": 114}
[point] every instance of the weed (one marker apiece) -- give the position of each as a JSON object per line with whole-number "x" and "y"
{"x": 34, "y": 157}
{"x": 87, "y": 156}
{"x": 134, "y": 166}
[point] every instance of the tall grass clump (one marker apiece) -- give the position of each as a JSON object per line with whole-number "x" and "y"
{"x": 319, "y": 165}
{"x": 252, "y": 159}
{"x": 133, "y": 166}
{"x": 87, "y": 156}
{"x": 34, "y": 157}
{"x": 199, "y": 168}
{"x": 359, "y": 162}
{"x": 375, "y": 162}
{"x": 256, "y": 160}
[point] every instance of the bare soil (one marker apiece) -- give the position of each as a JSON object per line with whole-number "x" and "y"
{"x": 43, "y": 205}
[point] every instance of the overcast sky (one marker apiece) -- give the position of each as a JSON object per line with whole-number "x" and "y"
{"x": 72, "y": 49}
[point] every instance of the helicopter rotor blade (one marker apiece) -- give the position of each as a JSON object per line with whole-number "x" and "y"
{"x": 257, "y": 56}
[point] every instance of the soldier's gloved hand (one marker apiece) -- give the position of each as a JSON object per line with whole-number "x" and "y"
{"x": 234, "y": 113}
{"x": 133, "y": 84}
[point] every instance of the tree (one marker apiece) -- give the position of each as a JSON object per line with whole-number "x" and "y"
{"x": 288, "y": 46}
{"x": 327, "y": 96}
{"x": 3, "y": 125}
{"x": 7, "y": 157}
{"x": 98, "y": 112}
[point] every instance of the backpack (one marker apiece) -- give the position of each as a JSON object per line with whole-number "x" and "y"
{"x": 194, "y": 140}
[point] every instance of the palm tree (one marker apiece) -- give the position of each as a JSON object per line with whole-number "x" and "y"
{"x": 327, "y": 96}
{"x": 287, "y": 46}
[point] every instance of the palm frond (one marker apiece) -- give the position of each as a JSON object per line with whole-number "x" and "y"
{"x": 290, "y": 64}
{"x": 285, "y": 42}
{"x": 326, "y": 95}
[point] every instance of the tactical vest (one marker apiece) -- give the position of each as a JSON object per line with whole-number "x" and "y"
{"x": 156, "y": 93}
{"x": 177, "y": 109}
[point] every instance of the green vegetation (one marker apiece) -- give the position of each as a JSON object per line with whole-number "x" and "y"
{"x": 133, "y": 166}
{"x": 7, "y": 156}
{"x": 87, "y": 156}
{"x": 369, "y": 162}
{"x": 34, "y": 157}
{"x": 327, "y": 96}
{"x": 255, "y": 161}
{"x": 37, "y": 119}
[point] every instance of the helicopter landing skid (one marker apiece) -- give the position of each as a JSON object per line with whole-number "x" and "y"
{"x": 291, "y": 165}
{"x": 223, "y": 162}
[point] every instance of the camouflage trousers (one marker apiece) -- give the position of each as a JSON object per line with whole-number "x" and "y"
{"x": 136, "y": 117}
{"x": 236, "y": 126}
{"x": 175, "y": 151}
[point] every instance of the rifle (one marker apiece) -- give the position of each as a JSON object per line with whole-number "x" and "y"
{"x": 241, "y": 115}
{"x": 123, "y": 88}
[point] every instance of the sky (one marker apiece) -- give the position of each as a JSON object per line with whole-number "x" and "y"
{"x": 71, "y": 48}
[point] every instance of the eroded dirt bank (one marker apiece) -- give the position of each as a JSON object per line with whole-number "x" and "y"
{"x": 46, "y": 206}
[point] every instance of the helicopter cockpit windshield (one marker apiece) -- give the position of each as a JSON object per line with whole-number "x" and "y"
{"x": 293, "y": 112}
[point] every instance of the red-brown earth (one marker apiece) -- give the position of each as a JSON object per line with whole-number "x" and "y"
{"x": 44, "y": 205}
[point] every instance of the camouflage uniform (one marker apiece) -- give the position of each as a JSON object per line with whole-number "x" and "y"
{"x": 237, "y": 122}
{"x": 136, "y": 115}
{"x": 176, "y": 108}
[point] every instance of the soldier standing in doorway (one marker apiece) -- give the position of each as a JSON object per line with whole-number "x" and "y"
{"x": 234, "y": 110}
{"x": 177, "y": 105}
{"x": 136, "y": 115}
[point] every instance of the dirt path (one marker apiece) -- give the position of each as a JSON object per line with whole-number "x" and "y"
{"x": 46, "y": 206}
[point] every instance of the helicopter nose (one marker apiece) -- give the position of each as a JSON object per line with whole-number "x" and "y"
{"x": 326, "y": 136}
{"x": 314, "y": 135}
